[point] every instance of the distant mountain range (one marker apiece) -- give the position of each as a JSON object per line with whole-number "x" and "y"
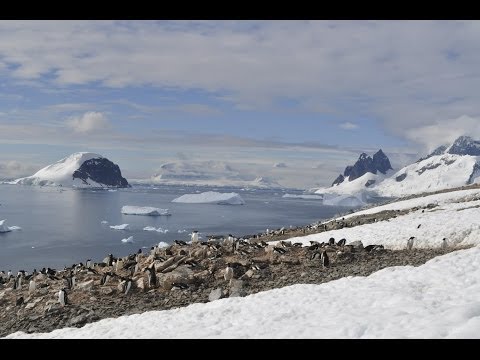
{"x": 448, "y": 166}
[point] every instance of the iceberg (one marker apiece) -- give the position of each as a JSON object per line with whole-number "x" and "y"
{"x": 211, "y": 197}
{"x": 144, "y": 210}
{"x": 120, "y": 227}
{"x": 153, "y": 228}
{"x": 128, "y": 240}
{"x": 4, "y": 228}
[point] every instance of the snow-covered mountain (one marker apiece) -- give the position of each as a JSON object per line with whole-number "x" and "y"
{"x": 448, "y": 166}
{"x": 81, "y": 169}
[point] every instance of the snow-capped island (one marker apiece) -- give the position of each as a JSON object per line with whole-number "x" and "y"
{"x": 211, "y": 197}
{"x": 81, "y": 169}
{"x": 144, "y": 210}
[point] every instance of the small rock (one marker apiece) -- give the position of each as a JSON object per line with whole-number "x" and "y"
{"x": 86, "y": 286}
{"x": 77, "y": 320}
{"x": 248, "y": 274}
{"x": 357, "y": 244}
{"x": 215, "y": 294}
{"x": 106, "y": 291}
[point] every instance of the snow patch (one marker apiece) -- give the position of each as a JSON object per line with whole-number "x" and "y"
{"x": 128, "y": 240}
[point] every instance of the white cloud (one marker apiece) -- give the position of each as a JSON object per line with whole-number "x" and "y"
{"x": 348, "y": 126}
{"x": 444, "y": 132}
{"x": 91, "y": 121}
{"x": 13, "y": 169}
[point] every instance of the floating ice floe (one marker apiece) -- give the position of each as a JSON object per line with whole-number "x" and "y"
{"x": 120, "y": 227}
{"x": 144, "y": 210}
{"x": 128, "y": 240}
{"x": 104, "y": 222}
{"x": 4, "y": 228}
{"x": 153, "y": 228}
{"x": 211, "y": 197}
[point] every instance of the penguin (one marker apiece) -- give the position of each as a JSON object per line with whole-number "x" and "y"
{"x": 119, "y": 265}
{"x": 418, "y": 227}
{"x": 180, "y": 286}
{"x": 228, "y": 272}
{"x": 88, "y": 263}
{"x": 316, "y": 255}
{"x": 127, "y": 286}
{"x": 444, "y": 243}
{"x": 194, "y": 236}
{"x": 105, "y": 278}
{"x": 410, "y": 243}
{"x": 369, "y": 248}
{"x": 331, "y": 241}
{"x": 297, "y": 244}
{"x": 342, "y": 242}
{"x": 62, "y": 297}
{"x": 32, "y": 285}
{"x": 180, "y": 242}
{"x": 152, "y": 277}
{"x": 325, "y": 259}
{"x": 109, "y": 259}
{"x": 279, "y": 250}
{"x": 313, "y": 247}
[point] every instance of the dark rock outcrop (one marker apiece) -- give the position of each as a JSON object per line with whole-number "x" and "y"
{"x": 102, "y": 171}
{"x": 465, "y": 145}
{"x": 364, "y": 164}
{"x": 338, "y": 180}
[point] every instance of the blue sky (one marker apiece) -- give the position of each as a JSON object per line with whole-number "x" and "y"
{"x": 311, "y": 94}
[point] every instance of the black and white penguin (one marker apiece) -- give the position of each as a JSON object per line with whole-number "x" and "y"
{"x": 152, "y": 277}
{"x": 31, "y": 286}
{"x": 62, "y": 297}
{"x": 194, "y": 236}
{"x": 105, "y": 278}
{"x": 410, "y": 243}
{"x": 89, "y": 263}
{"x": 313, "y": 247}
{"x": 297, "y": 244}
{"x": 331, "y": 241}
{"x": 228, "y": 272}
{"x": 316, "y": 256}
{"x": 279, "y": 250}
{"x": 325, "y": 259}
{"x": 369, "y": 248}
{"x": 180, "y": 242}
{"x": 342, "y": 242}
{"x": 444, "y": 243}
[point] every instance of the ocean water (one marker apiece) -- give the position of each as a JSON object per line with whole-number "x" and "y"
{"x": 61, "y": 226}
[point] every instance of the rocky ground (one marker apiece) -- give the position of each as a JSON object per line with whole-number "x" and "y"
{"x": 198, "y": 269}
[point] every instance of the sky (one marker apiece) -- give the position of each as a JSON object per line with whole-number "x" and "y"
{"x": 310, "y": 94}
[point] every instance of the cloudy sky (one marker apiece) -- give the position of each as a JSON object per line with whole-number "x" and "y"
{"x": 309, "y": 94}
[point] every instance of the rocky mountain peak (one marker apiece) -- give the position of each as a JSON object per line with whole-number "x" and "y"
{"x": 364, "y": 164}
{"x": 465, "y": 145}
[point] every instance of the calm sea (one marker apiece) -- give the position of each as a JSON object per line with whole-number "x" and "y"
{"x": 64, "y": 226}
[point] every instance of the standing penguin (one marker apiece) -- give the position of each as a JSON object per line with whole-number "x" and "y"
{"x": 152, "y": 277}
{"x": 410, "y": 243}
{"x": 228, "y": 272}
{"x": 194, "y": 236}
{"x": 88, "y": 263}
{"x": 444, "y": 243}
{"x": 32, "y": 286}
{"x": 128, "y": 286}
{"x": 105, "y": 278}
{"x": 62, "y": 297}
{"x": 325, "y": 259}
{"x": 331, "y": 241}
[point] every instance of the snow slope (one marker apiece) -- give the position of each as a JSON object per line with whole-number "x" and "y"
{"x": 211, "y": 197}
{"x": 434, "y": 173}
{"x": 440, "y": 299}
{"x": 60, "y": 173}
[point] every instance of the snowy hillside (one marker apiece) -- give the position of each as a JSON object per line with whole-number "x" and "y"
{"x": 82, "y": 169}
{"x": 434, "y": 173}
